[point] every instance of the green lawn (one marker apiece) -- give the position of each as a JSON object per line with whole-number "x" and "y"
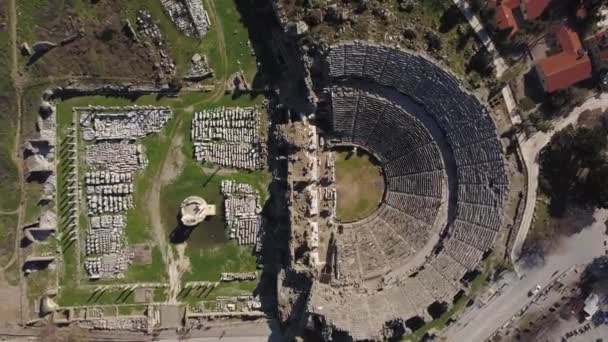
{"x": 360, "y": 186}
{"x": 8, "y": 229}
{"x": 208, "y": 259}
{"x": 9, "y": 175}
{"x": 208, "y": 263}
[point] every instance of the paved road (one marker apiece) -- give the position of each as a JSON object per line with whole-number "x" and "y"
{"x": 253, "y": 331}
{"x": 478, "y": 324}
{"x": 530, "y": 149}
{"x": 499, "y": 63}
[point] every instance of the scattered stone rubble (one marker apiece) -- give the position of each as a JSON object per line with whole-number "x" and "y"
{"x": 238, "y": 276}
{"x": 116, "y": 156}
{"x": 312, "y": 193}
{"x": 117, "y": 323}
{"x": 199, "y": 68}
{"x": 149, "y": 30}
{"x": 113, "y": 157}
{"x": 108, "y": 192}
{"x": 121, "y": 123}
{"x": 229, "y": 137}
{"x": 108, "y": 266}
{"x": 242, "y": 212}
{"x": 189, "y": 16}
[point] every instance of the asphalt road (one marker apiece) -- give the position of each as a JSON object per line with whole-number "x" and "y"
{"x": 530, "y": 150}
{"x": 478, "y": 324}
{"x": 254, "y": 331}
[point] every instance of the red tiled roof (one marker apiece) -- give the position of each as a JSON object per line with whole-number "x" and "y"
{"x": 535, "y": 8}
{"x": 568, "y": 39}
{"x": 511, "y": 4}
{"x": 563, "y": 70}
{"x": 505, "y": 18}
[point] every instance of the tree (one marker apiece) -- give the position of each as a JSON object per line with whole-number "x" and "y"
{"x": 572, "y": 166}
{"x": 477, "y": 5}
{"x": 433, "y": 41}
{"x": 481, "y": 62}
{"x": 450, "y": 18}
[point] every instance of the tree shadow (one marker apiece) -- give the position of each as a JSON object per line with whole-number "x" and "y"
{"x": 450, "y": 18}
{"x": 533, "y": 86}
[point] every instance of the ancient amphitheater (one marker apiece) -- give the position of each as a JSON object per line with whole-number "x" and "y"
{"x": 446, "y": 188}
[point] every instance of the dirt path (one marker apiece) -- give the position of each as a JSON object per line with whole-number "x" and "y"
{"x": 170, "y": 169}
{"x": 18, "y": 92}
{"x": 176, "y": 261}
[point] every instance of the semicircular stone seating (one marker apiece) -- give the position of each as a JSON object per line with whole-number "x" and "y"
{"x": 416, "y": 181}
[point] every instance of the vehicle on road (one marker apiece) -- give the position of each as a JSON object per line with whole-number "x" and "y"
{"x": 534, "y": 291}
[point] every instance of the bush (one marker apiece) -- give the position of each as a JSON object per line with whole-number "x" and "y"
{"x": 409, "y": 34}
{"x": 527, "y": 104}
{"x": 433, "y": 41}
{"x": 481, "y": 62}
{"x": 450, "y": 18}
{"x": 540, "y": 123}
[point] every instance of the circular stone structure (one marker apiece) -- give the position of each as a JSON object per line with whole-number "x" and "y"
{"x": 194, "y": 209}
{"x": 446, "y": 188}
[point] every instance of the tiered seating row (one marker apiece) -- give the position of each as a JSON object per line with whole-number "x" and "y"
{"x": 422, "y": 184}
{"x": 344, "y": 109}
{"x": 423, "y": 159}
{"x": 414, "y": 231}
{"x": 415, "y": 173}
{"x": 422, "y": 208}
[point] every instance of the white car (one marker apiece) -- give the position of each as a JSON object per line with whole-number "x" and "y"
{"x": 534, "y": 291}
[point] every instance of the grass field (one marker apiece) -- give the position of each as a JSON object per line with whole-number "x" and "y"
{"x": 360, "y": 186}
{"x": 206, "y": 263}
{"x": 9, "y": 174}
{"x": 8, "y": 229}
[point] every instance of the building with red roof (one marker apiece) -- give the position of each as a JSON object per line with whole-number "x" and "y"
{"x": 568, "y": 39}
{"x": 505, "y": 18}
{"x": 533, "y": 9}
{"x": 567, "y": 67}
{"x": 506, "y": 11}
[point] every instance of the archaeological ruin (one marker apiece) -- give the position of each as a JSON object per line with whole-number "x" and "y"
{"x": 189, "y": 16}
{"x": 229, "y": 137}
{"x": 242, "y": 212}
{"x": 113, "y": 155}
{"x": 194, "y": 210}
{"x": 446, "y": 188}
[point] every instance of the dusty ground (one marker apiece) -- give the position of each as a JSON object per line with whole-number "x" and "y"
{"x": 177, "y": 264}
{"x": 360, "y": 186}
{"x": 102, "y": 50}
{"x": 10, "y": 303}
{"x": 143, "y": 254}
{"x": 143, "y": 295}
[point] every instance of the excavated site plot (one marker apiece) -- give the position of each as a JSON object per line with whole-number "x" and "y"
{"x": 446, "y": 188}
